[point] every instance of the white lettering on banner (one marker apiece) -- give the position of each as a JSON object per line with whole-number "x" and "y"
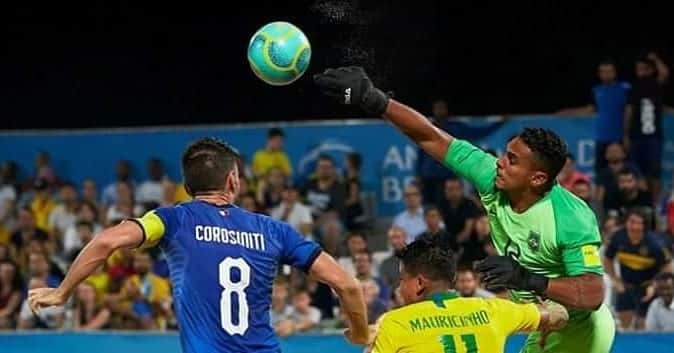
{"x": 586, "y": 152}
{"x": 392, "y": 188}
{"x": 394, "y": 159}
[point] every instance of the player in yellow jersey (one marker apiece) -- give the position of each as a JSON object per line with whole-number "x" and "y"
{"x": 436, "y": 320}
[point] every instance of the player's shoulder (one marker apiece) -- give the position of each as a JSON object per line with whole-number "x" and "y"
{"x": 565, "y": 203}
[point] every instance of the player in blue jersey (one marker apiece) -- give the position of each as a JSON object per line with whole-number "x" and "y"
{"x": 222, "y": 260}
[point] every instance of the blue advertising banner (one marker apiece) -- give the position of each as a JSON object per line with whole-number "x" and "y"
{"x": 389, "y": 158}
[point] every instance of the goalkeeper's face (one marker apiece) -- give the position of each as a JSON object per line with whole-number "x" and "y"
{"x": 516, "y": 169}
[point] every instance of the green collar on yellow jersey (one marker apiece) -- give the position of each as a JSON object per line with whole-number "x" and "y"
{"x": 440, "y": 297}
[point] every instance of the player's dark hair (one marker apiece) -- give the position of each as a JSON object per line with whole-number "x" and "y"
{"x": 206, "y": 164}
{"x": 355, "y": 159}
{"x": 664, "y": 276}
{"x": 325, "y": 157}
{"x": 628, "y": 171}
{"x": 549, "y": 150}
{"x": 431, "y": 208}
{"x": 426, "y": 256}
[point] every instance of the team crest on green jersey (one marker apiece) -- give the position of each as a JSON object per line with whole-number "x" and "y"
{"x": 534, "y": 240}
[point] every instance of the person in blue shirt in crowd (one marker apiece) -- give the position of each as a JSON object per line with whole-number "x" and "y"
{"x": 222, "y": 260}
{"x": 610, "y": 97}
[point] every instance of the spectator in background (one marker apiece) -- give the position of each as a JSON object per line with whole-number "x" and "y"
{"x": 123, "y": 175}
{"x": 63, "y": 216}
{"x": 125, "y": 205}
{"x": 168, "y": 193}
{"x": 389, "y": 270}
{"x": 292, "y": 211}
{"x": 325, "y": 192}
{"x": 49, "y": 318}
{"x": 641, "y": 257}
{"x": 354, "y": 212}
{"x": 144, "y": 297}
{"x": 331, "y": 237}
{"x": 150, "y": 190}
{"x": 468, "y": 285}
{"x": 85, "y": 232}
{"x": 362, "y": 262}
{"x": 39, "y": 267}
{"x": 569, "y": 174}
{"x": 302, "y": 314}
{"x": 478, "y": 245}
{"x": 270, "y": 189}
{"x": 90, "y": 192}
{"x": 629, "y": 195}
{"x": 8, "y": 197}
{"x": 643, "y": 136}
{"x": 607, "y": 179}
{"x": 660, "y": 316}
{"x": 355, "y": 244}
{"x": 42, "y": 203}
{"x": 376, "y": 306}
{"x": 249, "y": 203}
{"x": 582, "y": 188}
{"x": 86, "y": 212}
{"x": 27, "y": 231}
{"x": 458, "y": 211}
{"x": 431, "y": 173}
{"x": 411, "y": 220}
{"x": 610, "y": 98}
{"x": 87, "y": 312}
{"x": 44, "y": 169}
{"x": 272, "y": 156}
{"x": 435, "y": 231}
{"x": 11, "y": 293}
{"x": 279, "y": 306}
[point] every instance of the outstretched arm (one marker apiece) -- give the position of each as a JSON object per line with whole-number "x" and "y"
{"x": 419, "y": 129}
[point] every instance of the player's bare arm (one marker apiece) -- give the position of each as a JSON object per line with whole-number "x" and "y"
{"x": 325, "y": 269}
{"x": 352, "y": 87}
{"x": 585, "y": 291}
{"x": 94, "y": 254}
{"x": 581, "y": 292}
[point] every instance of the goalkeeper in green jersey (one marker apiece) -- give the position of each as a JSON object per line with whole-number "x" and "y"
{"x": 547, "y": 239}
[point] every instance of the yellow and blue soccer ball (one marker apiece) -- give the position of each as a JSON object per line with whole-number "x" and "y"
{"x": 279, "y": 53}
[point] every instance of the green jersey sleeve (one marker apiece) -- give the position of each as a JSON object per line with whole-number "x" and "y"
{"x": 472, "y": 164}
{"x": 578, "y": 235}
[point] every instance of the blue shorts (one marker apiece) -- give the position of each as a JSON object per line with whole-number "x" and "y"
{"x": 630, "y": 300}
{"x": 646, "y": 153}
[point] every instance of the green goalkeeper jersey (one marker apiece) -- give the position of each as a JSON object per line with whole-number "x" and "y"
{"x": 556, "y": 237}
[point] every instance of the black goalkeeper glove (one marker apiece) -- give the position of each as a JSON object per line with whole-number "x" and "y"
{"x": 506, "y": 272}
{"x": 351, "y": 86}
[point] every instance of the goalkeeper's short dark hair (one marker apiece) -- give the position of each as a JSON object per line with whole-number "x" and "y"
{"x": 206, "y": 164}
{"x": 549, "y": 150}
{"x": 426, "y": 256}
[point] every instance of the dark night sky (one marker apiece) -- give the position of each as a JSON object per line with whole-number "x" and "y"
{"x": 125, "y": 63}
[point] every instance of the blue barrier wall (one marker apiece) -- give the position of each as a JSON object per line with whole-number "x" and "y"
{"x": 388, "y": 157}
{"x": 168, "y": 343}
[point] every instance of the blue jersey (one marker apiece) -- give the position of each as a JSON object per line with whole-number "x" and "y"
{"x": 610, "y": 101}
{"x": 222, "y": 263}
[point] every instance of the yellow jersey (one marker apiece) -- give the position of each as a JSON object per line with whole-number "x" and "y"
{"x": 447, "y": 323}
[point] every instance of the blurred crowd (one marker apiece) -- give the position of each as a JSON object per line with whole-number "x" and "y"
{"x": 45, "y": 221}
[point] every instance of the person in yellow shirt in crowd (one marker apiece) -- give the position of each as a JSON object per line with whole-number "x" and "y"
{"x": 436, "y": 320}
{"x": 272, "y": 156}
{"x": 42, "y": 204}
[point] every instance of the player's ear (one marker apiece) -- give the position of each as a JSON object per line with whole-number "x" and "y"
{"x": 539, "y": 179}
